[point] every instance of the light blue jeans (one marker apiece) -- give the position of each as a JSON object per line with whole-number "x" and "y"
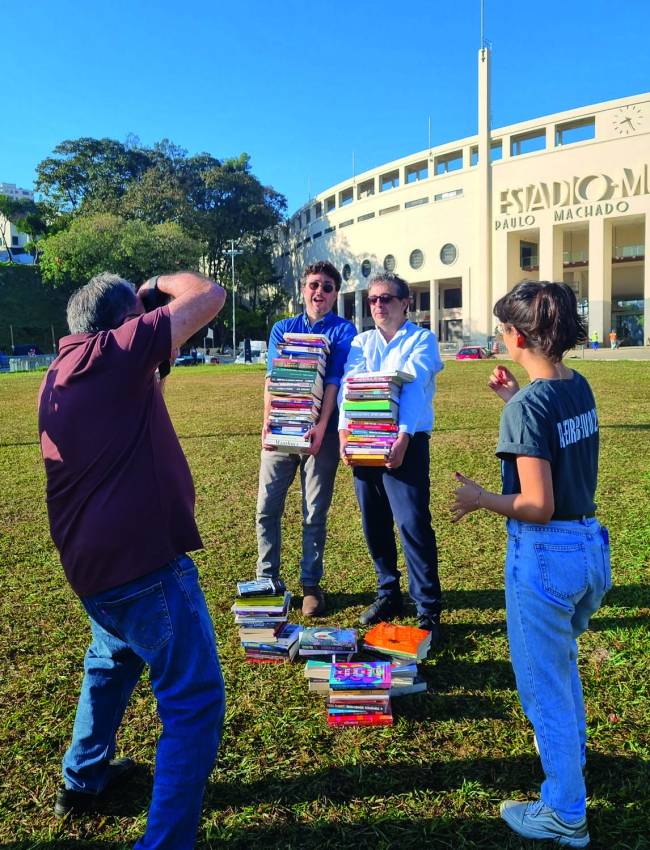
{"x": 160, "y": 620}
{"x": 317, "y": 476}
{"x": 556, "y": 577}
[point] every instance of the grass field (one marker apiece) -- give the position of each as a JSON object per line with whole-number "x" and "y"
{"x": 283, "y": 779}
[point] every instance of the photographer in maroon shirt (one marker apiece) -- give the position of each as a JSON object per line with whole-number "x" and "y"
{"x": 120, "y": 501}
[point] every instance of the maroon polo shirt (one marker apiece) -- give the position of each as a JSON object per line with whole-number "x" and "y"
{"x": 120, "y": 496}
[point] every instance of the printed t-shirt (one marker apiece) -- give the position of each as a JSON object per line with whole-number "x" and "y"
{"x": 555, "y": 421}
{"x": 120, "y": 496}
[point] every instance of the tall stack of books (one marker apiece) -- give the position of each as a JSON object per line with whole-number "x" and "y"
{"x": 371, "y": 408}
{"x": 296, "y": 389}
{"x": 262, "y": 611}
{"x": 406, "y": 644}
{"x": 328, "y": 642}
{"x": 359, "y": 694}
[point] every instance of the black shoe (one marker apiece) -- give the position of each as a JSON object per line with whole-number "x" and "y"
{"x": 432, "y": 625}
{"x": 383, "y": 608}
{"x": 69, "y": 802}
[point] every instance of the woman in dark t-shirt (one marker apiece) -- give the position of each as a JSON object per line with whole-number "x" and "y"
{"x": 557, "y": 562}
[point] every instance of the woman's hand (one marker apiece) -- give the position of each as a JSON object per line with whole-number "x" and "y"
{"x": 503, "y": 382}
{"x": 467, "y": 497}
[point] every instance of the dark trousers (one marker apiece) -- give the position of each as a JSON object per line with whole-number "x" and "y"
{"x": 401, "y": 496}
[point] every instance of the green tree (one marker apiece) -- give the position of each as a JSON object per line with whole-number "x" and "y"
{"x": 27, "y": 216}
{"x": 213, "y": 201}
{"x": 90, "y": 175}
{"x": 133, "y": 249}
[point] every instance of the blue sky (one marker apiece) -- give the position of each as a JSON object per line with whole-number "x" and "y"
{"x": 302, "y": 85}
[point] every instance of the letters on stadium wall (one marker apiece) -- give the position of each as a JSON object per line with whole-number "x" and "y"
{"x": 575, "y": 199}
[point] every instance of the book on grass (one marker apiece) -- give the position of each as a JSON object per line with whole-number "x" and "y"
{"x": 406, "y": 642}
{"x": 327, "y": 640}
{"x": 261, "y": 587}
{"x": 359, "y": 675}
{"x": 410, "y": 686}
{"x": 254, "y": 606}
{"x": 263, "y": 633}
{"x": 374, "y": 718}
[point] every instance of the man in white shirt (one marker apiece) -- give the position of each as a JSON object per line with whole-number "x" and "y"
{"x": 399, "y": 492}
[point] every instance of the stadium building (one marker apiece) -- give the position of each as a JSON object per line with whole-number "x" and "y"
{"x": 562, "y": 197}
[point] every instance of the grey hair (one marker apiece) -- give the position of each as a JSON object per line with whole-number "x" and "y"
{"x": 401, "y": 286}
{"x": 101, "y": 304}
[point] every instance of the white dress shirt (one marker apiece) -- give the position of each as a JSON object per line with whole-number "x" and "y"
{"x": 414, "y": 350}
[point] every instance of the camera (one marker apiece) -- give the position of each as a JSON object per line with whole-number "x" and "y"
{"x": 151, "y": 296}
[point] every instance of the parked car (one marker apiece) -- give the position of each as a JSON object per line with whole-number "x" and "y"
{"x": 186, "y": 360}
{"x": 473, "y": 352}
{"x": 258, "y": 351}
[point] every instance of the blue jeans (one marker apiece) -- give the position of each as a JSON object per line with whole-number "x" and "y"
{"x": 556, "y": 577}
{"x": 401, "y": 495}
{"x": 160, "y": 620}
{"x": 317, "y": 476}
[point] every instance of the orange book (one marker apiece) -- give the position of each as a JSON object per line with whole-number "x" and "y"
{"x": 401, "y": 641}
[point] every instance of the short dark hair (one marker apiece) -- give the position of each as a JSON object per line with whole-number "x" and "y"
{"x": 546, "y": 314}
{"x": 322, "y": 267}
{"x": 401, "y": 286}
{"x": 101, "y": 304}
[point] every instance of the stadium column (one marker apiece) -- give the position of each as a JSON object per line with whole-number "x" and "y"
{"x": 358, "y": 310}
{"x": 433, "y": 307}
{"x": 340, "y": 304}
{"x": 551, "y": 259}
{"x": 600, "y": 277}
{"x": 466, "y": 305}
{"x": 646, "y": 283}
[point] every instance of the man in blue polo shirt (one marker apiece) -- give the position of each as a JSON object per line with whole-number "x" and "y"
{"x": 320, "y": 285}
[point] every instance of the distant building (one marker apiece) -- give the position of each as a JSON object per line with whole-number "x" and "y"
{"x": 563, "y": 197}
{"x": 16, "y": 192}
{"x": 9, "y": 233}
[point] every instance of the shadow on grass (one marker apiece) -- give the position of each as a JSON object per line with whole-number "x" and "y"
{"x": 518, "y": 775}
{"x": 490, "y": 599}
{"x": 481, "y": 782}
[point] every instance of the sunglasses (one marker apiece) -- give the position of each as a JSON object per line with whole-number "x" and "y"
{"x": 326, "y": 287}
{"x": 384, "y": 298}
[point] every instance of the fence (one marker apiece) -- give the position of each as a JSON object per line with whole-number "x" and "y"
{"x": 29, "y": 364}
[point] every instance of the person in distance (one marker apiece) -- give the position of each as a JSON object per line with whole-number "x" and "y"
{"x": 120, "y": 501}
{"x": 557, "y": 560}
{"x": 399, "y": 492}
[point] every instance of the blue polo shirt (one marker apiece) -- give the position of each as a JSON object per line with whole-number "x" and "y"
{"x": 340, "y": 333}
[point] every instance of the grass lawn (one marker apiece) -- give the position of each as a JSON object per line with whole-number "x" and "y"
{"x": 284, "y": 780}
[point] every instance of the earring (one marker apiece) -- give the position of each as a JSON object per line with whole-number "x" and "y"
{"x": 521, "y": 340}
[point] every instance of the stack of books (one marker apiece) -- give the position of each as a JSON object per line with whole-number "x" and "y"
{"x": 328, "y": 642}
{"x": 371, "y": 408}
{"x": 404, "y": 677}
{"x": 407, "y": 644}
{"x": 359, "y": 694}
{"x": 296, "y": 389}
{"x": 262, "y": 611}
